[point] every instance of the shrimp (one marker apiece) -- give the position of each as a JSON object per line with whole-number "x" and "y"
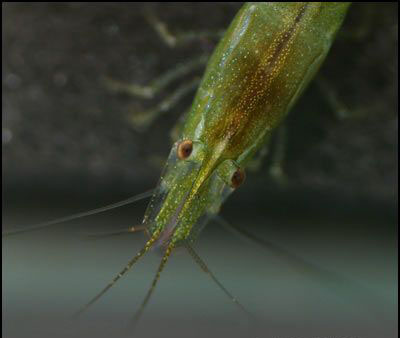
{"x": 260, "y": 68}
{"x": 264, "y": 62}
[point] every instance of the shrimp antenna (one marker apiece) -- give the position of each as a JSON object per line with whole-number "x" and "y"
{"x": 164, "y": 260}
{"x": 325, "y": 277}
{"x": 40, "y": 226}
{"x": 128, "y": 266}
{"x": 204, "y": 267}
{"x": 293, "y": 259}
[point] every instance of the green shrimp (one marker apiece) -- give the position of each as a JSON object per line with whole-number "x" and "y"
{"x": 264, "y": 62}
{"x": 260, "y": 68}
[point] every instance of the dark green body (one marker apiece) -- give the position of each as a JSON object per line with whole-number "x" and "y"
{"x": 260, "y": 68}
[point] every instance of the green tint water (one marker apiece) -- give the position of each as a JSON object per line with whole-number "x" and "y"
{"x": 48, "y": 275}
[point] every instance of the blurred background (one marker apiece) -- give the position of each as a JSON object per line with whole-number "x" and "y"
{"x": 68, "y": 146}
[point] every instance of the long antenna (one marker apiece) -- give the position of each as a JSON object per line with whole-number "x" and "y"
{"x": 153, "y": 284}
{"x": 293, "y": 259}
{"x": 204, "y": 267}
{"x": 40, "y": 226}
{"x": 324, "y": 276}
{"x": 146, "y": 248}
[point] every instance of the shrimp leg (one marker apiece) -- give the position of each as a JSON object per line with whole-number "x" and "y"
{"x": 174, "y": 40}
{"x": 157, "y": 85}
{"x": 142, "y": 120}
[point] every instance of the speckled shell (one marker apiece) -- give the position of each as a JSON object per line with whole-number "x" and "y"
{"x": 261, "y": 66}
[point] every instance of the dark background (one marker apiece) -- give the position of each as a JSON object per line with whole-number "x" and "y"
{"x": 67, "y": 147}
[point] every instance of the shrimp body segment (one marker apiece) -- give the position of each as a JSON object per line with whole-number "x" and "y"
{"x": 266, "y": 59}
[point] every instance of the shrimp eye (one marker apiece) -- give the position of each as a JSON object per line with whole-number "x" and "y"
{"x": 238, "y": 178}
{"x": 185, "y": 149}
